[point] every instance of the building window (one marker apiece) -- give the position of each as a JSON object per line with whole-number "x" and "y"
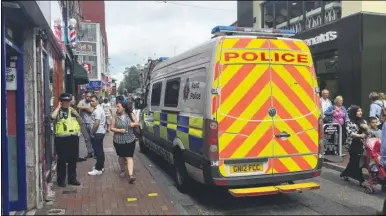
{"x": 156, "y": 94}
{"x": 281, "y": 15}
{"x": 295, "y": 15}
{"x": 87, "y": 32}
{"x": 268, "y": 15}
{"x": 172, "y": 92}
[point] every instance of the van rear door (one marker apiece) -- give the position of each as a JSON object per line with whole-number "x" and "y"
{"x": 294, "y": 99}
{"x": 245, "y": 127}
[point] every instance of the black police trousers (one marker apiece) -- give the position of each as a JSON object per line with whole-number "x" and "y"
{"x": 67, "y": 149}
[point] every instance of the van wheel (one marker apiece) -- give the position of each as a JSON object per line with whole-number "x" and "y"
{"x": 142, "y": 147}
{"x": 182, "y": 177}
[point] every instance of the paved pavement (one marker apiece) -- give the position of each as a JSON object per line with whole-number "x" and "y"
{"x": 336, "y": 197}
{"x": 109, "y": 194}
{"x": 340, "y": 165}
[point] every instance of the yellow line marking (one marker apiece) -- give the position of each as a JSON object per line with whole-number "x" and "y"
{"x": 131, "y": 199}
{"x": 152, "y": 194}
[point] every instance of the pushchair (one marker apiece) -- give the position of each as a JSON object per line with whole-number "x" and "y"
{"x": 377, "y": 173}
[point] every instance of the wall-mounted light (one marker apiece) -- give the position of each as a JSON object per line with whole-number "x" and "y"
{"x": 72, "y": 23}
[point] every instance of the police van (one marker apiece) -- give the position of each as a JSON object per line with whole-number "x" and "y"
{"x": 240, "y": 111}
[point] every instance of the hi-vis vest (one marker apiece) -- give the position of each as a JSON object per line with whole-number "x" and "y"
{"x": 67, "y": 127}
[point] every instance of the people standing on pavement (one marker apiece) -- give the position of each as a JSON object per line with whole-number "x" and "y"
{"x": 356, "y": 133}
{"x": 107, "y": 108}
{"x": 337, "y": 114}
{"x": 67, "y": 130}
{"x": 97, "y": 135}
{"x": 124, "y": 139}
{"x": 325, "y": 101}
{"x": 85, "y": 110}
{"x": 376, "y": 107}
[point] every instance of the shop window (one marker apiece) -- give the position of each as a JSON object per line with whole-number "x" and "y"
{"x": 156, "y": 94}
{"x": 281, "y": 14}
{"x": 172, "y": 92}
{"x": 332, "y": 11}
{"x": 267, "y": 15}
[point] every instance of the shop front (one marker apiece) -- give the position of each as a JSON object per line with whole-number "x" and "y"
{"x": 341, "y": 53}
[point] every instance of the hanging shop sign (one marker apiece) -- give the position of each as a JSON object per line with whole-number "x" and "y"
{"x": 85, "y": 48}
{"x": 87, "y": 66}
{"x": 95, "y": 84}
{"x": 10, "y": 77}
{"x": 322, "y": 38}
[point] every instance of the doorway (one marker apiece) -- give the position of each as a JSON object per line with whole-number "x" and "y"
{"x": 15, "y": 126}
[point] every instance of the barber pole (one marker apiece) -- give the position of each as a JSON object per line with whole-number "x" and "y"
{"x": 72, "y": 36}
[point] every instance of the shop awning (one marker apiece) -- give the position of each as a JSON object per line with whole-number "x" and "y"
{"x": 80, "y": 74}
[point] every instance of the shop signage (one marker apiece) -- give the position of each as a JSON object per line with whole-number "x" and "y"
{"x": 85, "y": 48}
{"x": 10, "y": 76}
{"x": 94, "y": 84}
{"x": 324, "y": 37}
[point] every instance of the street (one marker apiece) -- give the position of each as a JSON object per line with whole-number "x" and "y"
{"x": 336, "y": 197}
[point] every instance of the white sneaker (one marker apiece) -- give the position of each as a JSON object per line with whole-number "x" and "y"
{"x": 103, "y": 169}
{"x": 95, "y": 172}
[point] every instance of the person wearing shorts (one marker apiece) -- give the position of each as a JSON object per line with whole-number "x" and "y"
{"x": 124, "y": 139}
{"x": 107, "y": 108}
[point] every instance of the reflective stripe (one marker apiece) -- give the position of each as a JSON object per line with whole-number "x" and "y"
{"x": 189, "y": 129}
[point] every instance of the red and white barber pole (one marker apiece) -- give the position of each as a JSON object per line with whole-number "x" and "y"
{"x": 73, "y": 37}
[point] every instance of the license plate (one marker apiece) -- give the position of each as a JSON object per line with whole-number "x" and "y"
{"x": 246, "y": 168}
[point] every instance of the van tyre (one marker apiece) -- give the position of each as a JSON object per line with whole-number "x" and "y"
{"x": 142, "y": 147}
{"x": 182, "y": 177}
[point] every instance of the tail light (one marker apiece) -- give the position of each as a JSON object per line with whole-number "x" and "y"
{"x": 320, "y": 128}
{"x": 212, "y": 140}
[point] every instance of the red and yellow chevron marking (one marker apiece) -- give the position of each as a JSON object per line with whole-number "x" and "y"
{"x": 249, "y": 90}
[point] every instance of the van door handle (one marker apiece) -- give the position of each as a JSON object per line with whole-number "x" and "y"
{"x": 282, "y": 135}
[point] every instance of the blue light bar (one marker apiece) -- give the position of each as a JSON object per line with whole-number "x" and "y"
{"x": 163, "y": 58}
{"x": 251, "y": 30}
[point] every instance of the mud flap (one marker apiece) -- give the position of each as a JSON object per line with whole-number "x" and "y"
{"x": 268, "y": 190}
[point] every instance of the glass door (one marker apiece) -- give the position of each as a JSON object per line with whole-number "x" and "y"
{"x": 15, "y": 126}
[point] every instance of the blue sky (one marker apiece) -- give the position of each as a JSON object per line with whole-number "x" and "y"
{"x": 137, "y": 30}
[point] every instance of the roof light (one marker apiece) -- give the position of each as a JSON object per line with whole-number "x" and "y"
{"x": 163, "y": 58}
{"x": 226, "y": 30}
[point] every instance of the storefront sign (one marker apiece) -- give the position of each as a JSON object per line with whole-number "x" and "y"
{"x": 333, "y": 139}
{"x": 85, "y": 48}
{"x": 261, "y": 56}
{"x": 10, "y": 76}
{"x": 95, "y": 84}
{"x": 328, "y": 36}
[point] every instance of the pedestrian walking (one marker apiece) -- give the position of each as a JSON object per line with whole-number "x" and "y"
{"x": 325, "y": 101}
{"x": 67, "y": 130}
{"x": 97, "y": 134}
{"x": 124, "y": 138}
{"x": 356, "y": 134}
{"x": 85, "y": 110}
{"x": 107, "y": 108}
{"x": 376, "y": 107}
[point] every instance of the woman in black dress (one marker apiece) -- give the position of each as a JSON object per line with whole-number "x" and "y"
{"x": 356, "y": 134}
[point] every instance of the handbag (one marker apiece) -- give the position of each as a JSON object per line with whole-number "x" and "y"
{"x": 136, "y": 129}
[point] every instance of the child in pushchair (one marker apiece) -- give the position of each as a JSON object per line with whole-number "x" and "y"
{"x": 377, "y": 173}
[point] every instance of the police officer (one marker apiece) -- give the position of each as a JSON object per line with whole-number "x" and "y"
{"x": 67, "y": 131}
